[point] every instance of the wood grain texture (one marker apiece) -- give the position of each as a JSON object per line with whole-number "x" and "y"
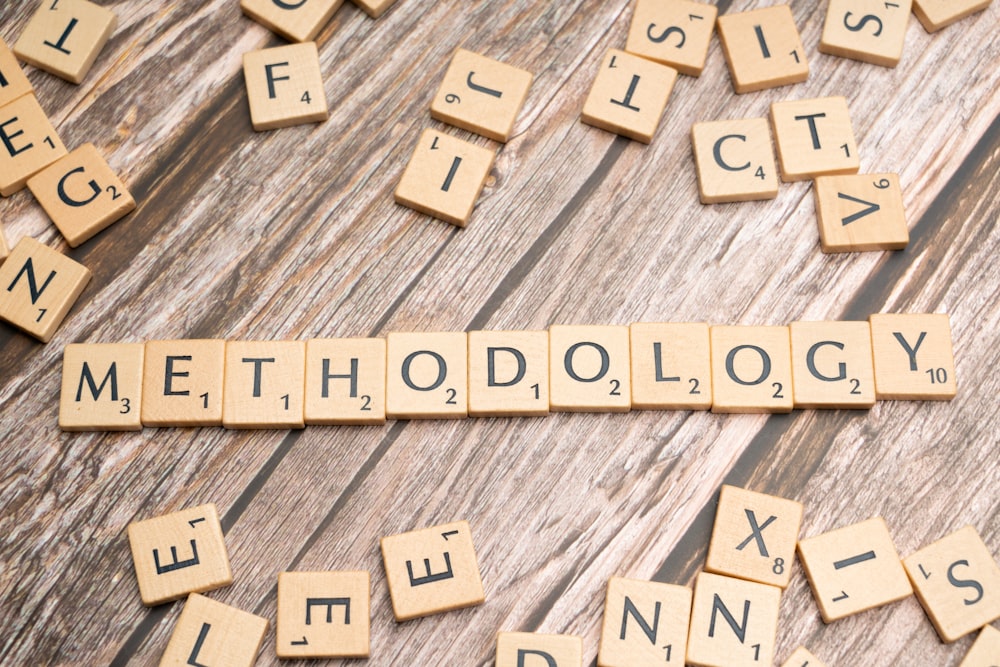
{"x": 293, "y": 234}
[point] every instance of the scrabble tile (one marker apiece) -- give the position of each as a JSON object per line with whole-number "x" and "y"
{"x": 754, "y": 536}
{"x": 853, "y": 569}
{"x": 936, "y": 14}
{"x": 733, "y": 622}
{"x": 671, "y": 366}
{"x": 323, "y": 614}
{"x": 101, "y": 387}
{"x": 432, "y": 570}
{"x": 29, "y": 143}
{"x": 985, "y": 650}
{"x": 427, "y": 376}
{"x": 802, "y": 658}
{"x": 508, "y": 373}
{"x": 345, "y": 381}
{"x": 672, "y": 32}
{"x": 589, "y": 369}
{"x": 868, "y": 30}
{"x": 763, "y": 48}
{"x": 182, "y": 383}
{"x": 285, "y": 86}
{"x": 751, "y": 369}
{"x": 814, "y": 137}
{"x": 481, "y": 95}
{"x": 957, "y": 581}
{"x": 264, "y": 384}
{"x": 913, "y": 357}
{"x": 645, "y": 624}
{"x": 4, "y": 248}
{"x": 212, "y": 633}
{"x": 734, "y": 160}
{"x": 629, "y": 95}
{"x": 832, "y": 365}
{"x": 858, "y": 212}
{"x": 531, "y": 649}
{"x": 295, "y": 21}
{"x": 444, "y": 177}
{"x": 13, "y": 82}
{"x": 81, "y": 194}
{"x": 374, "y": 8}
{"x": 179, "y": 553}
{"x": 38, "y": 286}
{"x": 65, "y": 37}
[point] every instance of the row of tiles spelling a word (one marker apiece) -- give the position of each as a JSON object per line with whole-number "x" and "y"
{"x": 448, "y": 375}
{"x": 750, "y": 561}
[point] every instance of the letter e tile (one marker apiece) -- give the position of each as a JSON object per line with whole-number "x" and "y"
{"x": 212, "y": 633}
{"x": 323, "y": 615}
{"x": 432, "y": 570}
{"x": 28, "y": 143}
{"x": 179, "y": 553}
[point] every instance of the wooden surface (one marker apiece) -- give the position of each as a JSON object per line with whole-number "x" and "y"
{"x": 293, "y": 234}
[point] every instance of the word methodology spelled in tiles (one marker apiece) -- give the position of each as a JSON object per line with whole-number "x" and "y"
{"x": 645, "y": 624}
{"x": 179, "y": 553}
{"x": 734, "y": 160}
{"x": 212, "y": 633}
{"x": 868, "y": 30}
{"x": 432, "y": 570}
{"x": 323, "y": 615}
{"x": 957, "y": 581}
{"x": 65, "y": 36}
{"x": 763, "y": 48}
{"x": 672, "y": 32}
{"x": 853, "y": 569}
{"x": 629, "y": 95}
{"x": 523, "y": 649}
{"x": 285, "y": 86}
{"x": 481, "y": 95}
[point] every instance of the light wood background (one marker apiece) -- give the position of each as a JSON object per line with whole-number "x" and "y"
{"x": 294, "y": 234}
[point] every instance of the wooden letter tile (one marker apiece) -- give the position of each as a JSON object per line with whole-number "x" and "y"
{"x": 733, "y": 622}
{"x": 432, "y": 570}
{"x": 751, "y": 369}
{"x": 629, "y": 96}
{"x": 763, "y": 48}
{"x": 264, "y": 384}
{"x": 28, "y": 141}
{"x": 323, "y": 614}
{"x": 285, "y": 86}
{"x": 182, "y": 383}
{"x": 374, "y": 8}
{"x": 295, "y": 21}
{"x": 444, "y": 177}
{"x": 4, "y": 249}
{"x": 13, "y": 82}
{"x": 832, "y": 365}
{"x": 754, "y": 536}
{"x": 860, "y": 212}
{"x": 957, "y": 581}
{"x": 508, "y": 373}
{"x": 936, "y": 14}
{"x": 913, "y": 357}
{"x": 81, "y": 194}
{"x": 671, "y": 366}
{"x": 853, "y": 569}
{"x": 589, "y": 369}
{"x": 734, "y": 160}
{"x": 427, "y": 376}
{"x": 868, "y": 30}
{"x": 64, "y": 37}
{"x": 530, "y": 649}
{"x": 814, "y": 137}
{"x": 481, "y": 95}
{"x": 38, "y": 286}
{"x": 802, "y": 658}
{"x": 212, "y": 633}
{"x": 645, "y": 624}
{"x": 673, "y": 32}
{"x": 179, "y": 553}
{"x": 345, "y": 381}
{"x": 101, "y": 387}
{"x": 985, "y": 650}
